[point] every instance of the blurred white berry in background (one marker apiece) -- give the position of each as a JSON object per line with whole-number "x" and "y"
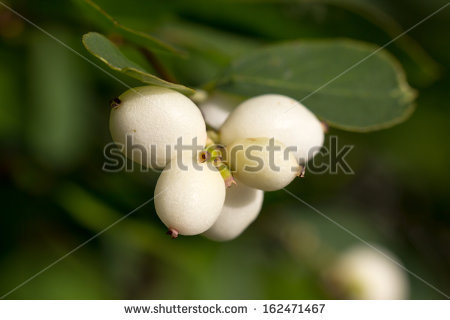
{"x": 242, "y": 206}
{"x": 363, "y": 273}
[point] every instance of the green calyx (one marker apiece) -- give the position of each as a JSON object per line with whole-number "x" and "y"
{"x": 214, "y": 153}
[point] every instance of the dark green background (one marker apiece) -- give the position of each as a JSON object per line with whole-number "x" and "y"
{"x": 53, "y": 126}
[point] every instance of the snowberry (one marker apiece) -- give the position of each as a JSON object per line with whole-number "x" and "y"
{"x": 155, "y": 118}
{"x": 217, "y": 107}
{"x": 189, "y": 197}
{"x": 262, "y": 163}
{"x": 242, "y": 206}
{"x": 275, "y": 116}
{"x": 363, "y": 273}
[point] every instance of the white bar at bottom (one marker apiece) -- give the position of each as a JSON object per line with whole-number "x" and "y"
{"x": 224, "y": 309}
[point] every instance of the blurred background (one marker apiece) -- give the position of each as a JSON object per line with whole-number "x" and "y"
{"x": 54, "y": 124}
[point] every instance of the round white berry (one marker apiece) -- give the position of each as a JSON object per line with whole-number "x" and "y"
{"x": 242, "y": 206}
{"x": 363, "y": 273}
{"x": 217, "y": 107}
{"x": 189, "y": 197}
{"x": 275, "y": 116}
{"x": 262, "y": 163}
{"x": 155, "y": 118}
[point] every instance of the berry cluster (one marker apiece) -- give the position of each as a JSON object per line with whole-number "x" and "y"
{"x": 216, "y": 185}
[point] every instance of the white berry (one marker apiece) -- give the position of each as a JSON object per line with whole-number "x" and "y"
{"x": 363, "y": 273}
{"x": 242, "y": 206}
{"x": 275, "y": 116}
{"x": 262, "y": 163}
{"x": 217, "y": 107}
{"x": 189, "y": 198}
{"x": 155, "y": 117}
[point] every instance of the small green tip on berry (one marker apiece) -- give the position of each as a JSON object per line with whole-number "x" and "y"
{"x": 212, "y": 154}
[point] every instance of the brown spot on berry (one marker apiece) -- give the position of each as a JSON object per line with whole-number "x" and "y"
{"x": 301, "y": 171}
{"x": 204, "y": 156}
{"x": 172, "y": 233}
{"x": 114, "y": 103}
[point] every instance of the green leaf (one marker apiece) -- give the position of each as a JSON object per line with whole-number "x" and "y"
{"x": 419, "y": 65}
{"x": 342, "y": 81}
{"x": 102, "y": 18}
{"x": 102, "y": 48}
{"x": 209, "y": 50}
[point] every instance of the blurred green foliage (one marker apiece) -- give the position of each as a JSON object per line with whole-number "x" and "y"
{"x": 53, "y": 127}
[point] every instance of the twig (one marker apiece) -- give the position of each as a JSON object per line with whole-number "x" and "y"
{"x": 156, "y": 64}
